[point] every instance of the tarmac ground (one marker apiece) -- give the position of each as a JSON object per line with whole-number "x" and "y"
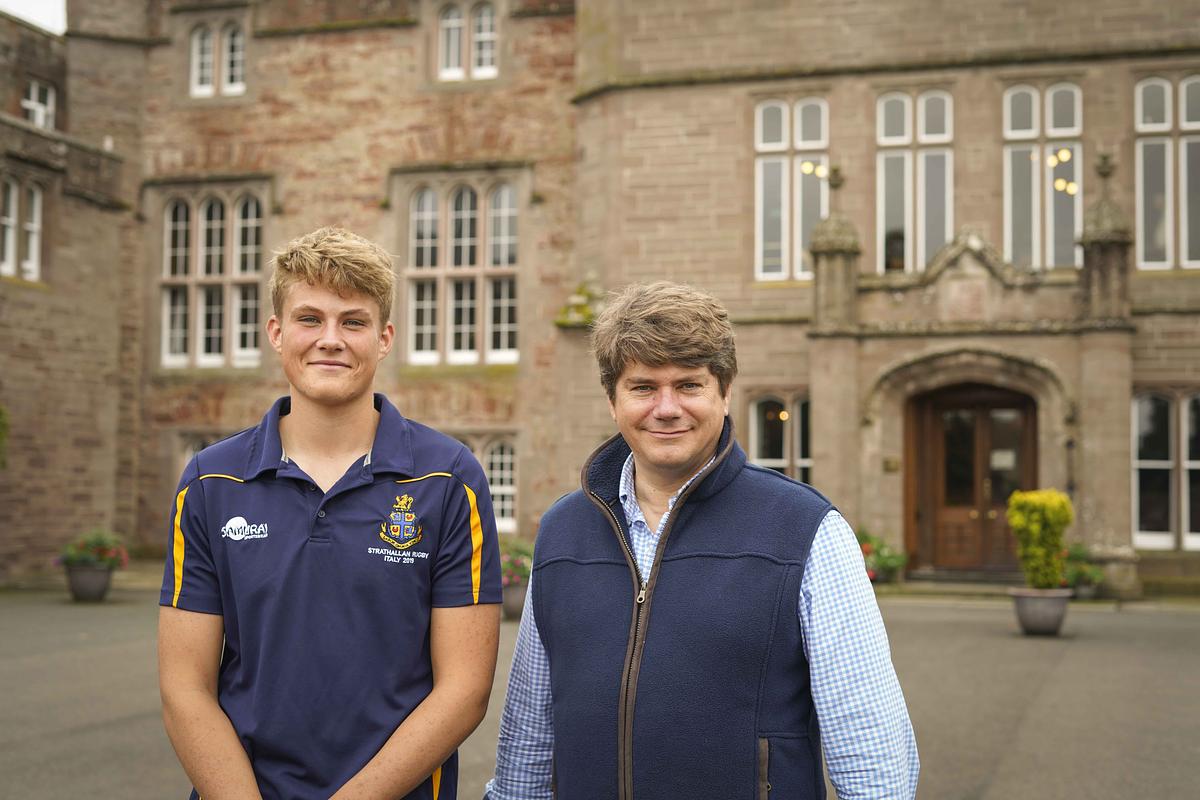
{"x": 1109, "y": 709}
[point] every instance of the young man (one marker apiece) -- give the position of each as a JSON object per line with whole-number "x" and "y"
{"x": 697, "y": 626}
{"x": 329, "y": 625}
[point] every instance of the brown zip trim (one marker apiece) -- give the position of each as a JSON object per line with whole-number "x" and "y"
{"x": 641, "y": 610}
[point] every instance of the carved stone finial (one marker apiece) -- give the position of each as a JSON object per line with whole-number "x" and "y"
{"x": 1104, "y": 221}
{"x": 835, "y": 178}
{"x": 1105, "y": 167}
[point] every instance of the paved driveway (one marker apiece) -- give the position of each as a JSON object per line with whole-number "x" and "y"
{"x": 1109, "y": 710}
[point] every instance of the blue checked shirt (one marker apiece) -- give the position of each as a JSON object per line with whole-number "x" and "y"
{"x": 866, "y": 734}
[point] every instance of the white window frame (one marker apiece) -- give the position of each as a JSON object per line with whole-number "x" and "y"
{"x": 431, "y": 218}
{"x": 209, "y": 253}
{"x": 415, "y": 356}
{"x": 1152, "y": 540}
{"x": 935, "y": 138}
{"x": 41, "y": 114}
{"x": 1184, "y": 123}
{"x": 888, "y": 141}
{"x": 1139, "y": 105}
{"x": 502, "y": 355}
{"x": 820, "y": 163}
{"x": 1075, "y": 130}
{"x": 948, "y": 233}
{"x": 792, "y": 463}
{"x": 8, "y": 226}
{"x": 229, "y": 34}
{"x": 504, "y": 484}
{"x": 240, "y": 224}
{"x": 1052, "y": 148}
{"x": 1191, "y": 539}
{"x": 484, "y": 71}
{"x": 451, "y": 27}
{"x": 470, "y": 217}
{"x": 204, "y": 359}
{"x": 761, "y": 145}
{"x": 31, "y": 226}
{"x": 1035, "y": 105}
{"x": 455, "y": 355}
{"x": 502, "y": 226}
{"x": 1035, "y": 204}
{"x": 880, "y": 204}
{"x": 1184, "y": 240}
{"x": 811, "y": 144}
{"x": 785, "y": 217}
{"x": 169, "y": 359}
{"x": 756, "y": 435}
{"x": 169, "y": 227}
{"x": 198, "y": 88}
{"x": 1140, "y": 202}
{"x": 245, "y": 356}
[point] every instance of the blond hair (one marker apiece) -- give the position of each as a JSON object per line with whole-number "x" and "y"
{"x": 663, "y": 323}
{"x": 338, "y": 260}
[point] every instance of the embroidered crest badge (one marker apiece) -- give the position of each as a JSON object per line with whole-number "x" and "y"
{"x": 401, "y": 529}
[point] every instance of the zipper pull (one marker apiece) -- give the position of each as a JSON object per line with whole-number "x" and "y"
{"x": 641, "y": 598}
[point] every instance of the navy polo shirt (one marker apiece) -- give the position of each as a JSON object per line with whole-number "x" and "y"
{"x": 326, "y": 596}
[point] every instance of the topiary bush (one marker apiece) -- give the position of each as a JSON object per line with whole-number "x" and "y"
{"x": 1038, "y": 520}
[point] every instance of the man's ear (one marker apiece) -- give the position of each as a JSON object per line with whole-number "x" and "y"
{"x": 387, "y": 338}
{"x": 275, "y": 333}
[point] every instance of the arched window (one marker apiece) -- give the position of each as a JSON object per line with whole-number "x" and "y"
{"x": 233, "y": 62}
{"x": 31, "y": 215}
{"x": 483, "y": 42}
{"x": 464, "y": 219}
{"x": 1154, "y": 474}
{"x": 771, "y": 126}
{"x": 779, "y": 436}
{"x": 450, "y": 44}
{"x": 202, "y": 62}
{"x": 177, "y": 237}
{"x": 1064, "y": 110}
{"x": 212, "y": 250}
{"x": 502, "y": 227}
{"x": 893, "y": 119}
{"x": 935, "y": 117}
{"x": 500, "y": 463}
{"x": 812, "y": 124}
{"x": 248, "y": 241}
{"x": 8, "y": 227}
{"x": 423, "y": 228}
{"x": 1021, "y": 113}
{"x": 771, "y": 189}
{"x": 1189, "y": 103}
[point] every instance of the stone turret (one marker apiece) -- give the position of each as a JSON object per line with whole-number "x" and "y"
{"x": 1104, "y": 281}
{"x": 835, "y": 252}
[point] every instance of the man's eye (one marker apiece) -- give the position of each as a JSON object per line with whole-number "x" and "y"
{"x": 641, "y": 389}
{"x": 308, "y": 320}
{"x": 357, "y": 323}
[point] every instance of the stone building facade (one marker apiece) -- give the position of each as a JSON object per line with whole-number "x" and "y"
{"x": 971, "y": 316}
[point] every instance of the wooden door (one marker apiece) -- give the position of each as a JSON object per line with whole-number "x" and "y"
{"x": 980, "y": 443}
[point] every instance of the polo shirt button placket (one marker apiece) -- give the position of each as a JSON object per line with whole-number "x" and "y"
{"x": 321, "y": 513}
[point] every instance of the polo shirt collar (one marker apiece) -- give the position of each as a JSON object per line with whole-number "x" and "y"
{"x": 390, "y": 452}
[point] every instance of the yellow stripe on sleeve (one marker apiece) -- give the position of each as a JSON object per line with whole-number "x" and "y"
{"x": 476, "y": 544}
{"x": 219, "y": 475}
{"x": 437, "y": 782}
{"x": 178, "y": 548}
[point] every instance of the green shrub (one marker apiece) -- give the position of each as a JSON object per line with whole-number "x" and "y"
{"x": 1038, "y": 519}
{"x": 516, "y": 560}
{"x": 97, "y": 548}
{"x": 882, "y": 562}
{"x": 1078, "y": 568}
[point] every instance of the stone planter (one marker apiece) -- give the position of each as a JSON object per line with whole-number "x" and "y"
{"x": 513, "y": 601}
{"x": 88, "y": 584}
{"x": 1040, "y": 612}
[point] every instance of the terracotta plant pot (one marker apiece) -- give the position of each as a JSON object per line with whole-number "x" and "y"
{"x": 1040, "y": 612}
{"x": 88, "y": 584}
{"x": 513, "y": 601}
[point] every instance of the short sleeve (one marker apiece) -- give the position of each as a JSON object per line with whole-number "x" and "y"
{"x": 467, "y": 569}
{"x": 189, "y": 578}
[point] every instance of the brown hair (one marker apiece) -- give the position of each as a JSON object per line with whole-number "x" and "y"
{"x": 663, "y": 323}
{"x": 339, "y": 260}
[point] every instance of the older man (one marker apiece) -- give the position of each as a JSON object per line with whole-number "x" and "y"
{"x": 697, "y": 626}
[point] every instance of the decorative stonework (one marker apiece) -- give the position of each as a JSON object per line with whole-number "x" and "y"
{"x": 1104, "y": 221}
{"x": 582, "y": 306}
{"x": 835, "y": 233}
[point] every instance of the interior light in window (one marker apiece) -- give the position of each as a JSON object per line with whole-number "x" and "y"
{"x": 1060, "y": 184}
{"x": 783, "y": 416}
{"x": 1072, "y": 188}
{"x": 1051, "y": 161}
{"x": 807, "y": 167}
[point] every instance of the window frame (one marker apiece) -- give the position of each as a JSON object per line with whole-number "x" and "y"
{"x": 784, "y": 163}
{"x": 882, "y": 139}
{"x": 11, "y": 192}
{"x": 1032, "y": 133}
{"x": 1184, "y": 208}
{"x": 922, "y": 256}
{"x": 498, "y": 488}
{"x": 939, "y": 138}
{"x": 196, "y": 87}
{"x": 1035, "y": 256}
{"x": 1073, "y": 132}
{"x": 1140, "y": 202}
{"x": 39, "y": 114}
{"x": 447, "y": 71}
{"x": 1184, "y": 123}
{"x": 763, "y": 146}
{"x": 31, "y": 216}
{"x": 801, "y": 270}
{"x": 1049, "y": 220}
{"x": 1153, "y": 540}
{"x": 229, "y": 32}
{"x": 1190, "y": 539}
{"x": 794, "y": 402}
{"x": 880, "y": 208}
{"x": 1139, "y": 106}
{"x": 487, "y": 71}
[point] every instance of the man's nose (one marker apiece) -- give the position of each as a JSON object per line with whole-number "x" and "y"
{"x": 331, "y": 336}
{"x": 666, "y": 403}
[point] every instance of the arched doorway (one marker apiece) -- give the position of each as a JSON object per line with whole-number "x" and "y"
{"x": 971, "y": 446}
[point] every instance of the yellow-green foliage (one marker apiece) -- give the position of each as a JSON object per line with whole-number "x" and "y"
{"x": 1038, "y": 519}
